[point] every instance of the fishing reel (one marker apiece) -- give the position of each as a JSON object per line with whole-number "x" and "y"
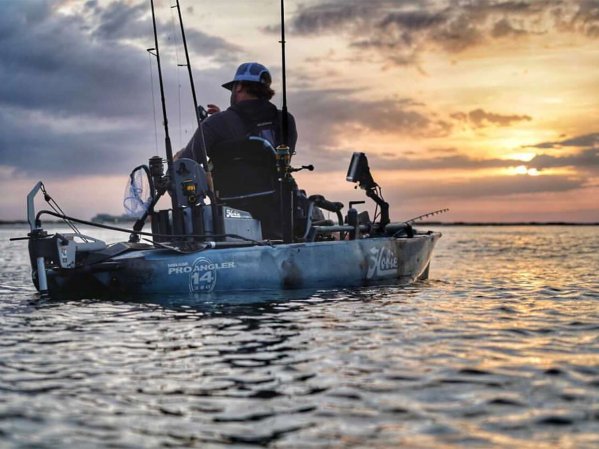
{"x": 159, "y": 181}
{"x": 189, "y": 184}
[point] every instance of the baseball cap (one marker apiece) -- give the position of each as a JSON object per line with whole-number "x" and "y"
{"x": 252, "y": 72}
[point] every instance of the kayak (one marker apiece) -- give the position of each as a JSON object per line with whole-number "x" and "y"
{"x": 231, "y": 255}
{"x": 134, "y": 269}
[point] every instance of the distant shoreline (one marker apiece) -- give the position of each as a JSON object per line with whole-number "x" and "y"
{"x": 418, "y": 223}
{"x": 519, "y": 223}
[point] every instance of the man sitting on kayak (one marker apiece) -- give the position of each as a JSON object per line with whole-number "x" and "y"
{"x": 251, "y": 114}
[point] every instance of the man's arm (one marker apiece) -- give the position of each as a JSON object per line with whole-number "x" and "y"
{"x": 195, "y": 144}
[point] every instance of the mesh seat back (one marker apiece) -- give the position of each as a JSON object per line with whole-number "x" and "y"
{"x": 244, "y": 168}
{"x": 245, "y": 177}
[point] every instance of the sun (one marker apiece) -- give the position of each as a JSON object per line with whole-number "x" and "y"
{"x": 523, "y": 170}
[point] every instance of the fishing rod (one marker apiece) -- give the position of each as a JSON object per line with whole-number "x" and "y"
{"x": 203, "y": 156}
{"x": 430, "y": 214}
{"x": 203, "y": 153}
{"x": 177, "y": 219}
{"x": 284, "y": 153}
{"x": 285, "y": 119}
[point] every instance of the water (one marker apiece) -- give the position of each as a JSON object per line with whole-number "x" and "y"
{"x": 499, "y": 349}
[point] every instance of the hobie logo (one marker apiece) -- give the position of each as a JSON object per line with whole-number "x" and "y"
{"x": 382, "y": 261}
{"x": 230, "y": 213}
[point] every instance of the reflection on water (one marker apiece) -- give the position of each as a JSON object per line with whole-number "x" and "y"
{"x": 499, "y": 349}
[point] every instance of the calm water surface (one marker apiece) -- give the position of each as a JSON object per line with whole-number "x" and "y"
{"x": 499, "y": 349}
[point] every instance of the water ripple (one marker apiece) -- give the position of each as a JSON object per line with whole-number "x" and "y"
{"x": 500, "y": 349}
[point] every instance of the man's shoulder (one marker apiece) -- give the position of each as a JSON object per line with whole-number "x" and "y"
{"x": 227, "y": 114}
{"x": 221, "y": 119}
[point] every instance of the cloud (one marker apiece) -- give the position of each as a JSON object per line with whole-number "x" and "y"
{"x": 75, "y": 89}
{"x": 488, "y": 187}
{"x": 57, "y": 148}
{"x": 453, "y": 162}
{"x": 123, "y": 21}
{"x": 479, "y": 118}
{"x": 585, "y": 161}
{"x": 585, "y": 158}
{"x": 333, "y": 15}
{"x": 59, "y": 65}
{"x": 325, "y": 116}
{"x": 505, "y": 28}
{"x": 202, "y": 44}
{"x": 443, "y": 159}
{"x": 586, "y": 140}
{"x": 584, "y": 21}
{"x": 120, "y": 20}
{"x": 401, "y": 31}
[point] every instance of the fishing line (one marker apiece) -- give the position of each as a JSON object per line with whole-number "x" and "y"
{"x": 153, "y": 102}
{"x": 54, "y": 205}
{"x": 173, "y": 35}
{"x": 66, "y": 218}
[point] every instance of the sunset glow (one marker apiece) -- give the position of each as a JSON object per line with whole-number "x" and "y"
{"x": 456, "y": 104}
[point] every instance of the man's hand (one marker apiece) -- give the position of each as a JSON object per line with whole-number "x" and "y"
{"x": 213, "y": 109}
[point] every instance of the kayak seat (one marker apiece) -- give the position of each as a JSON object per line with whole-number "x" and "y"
{"x": 245, "y": 177}
{"x": 244, "y": 169}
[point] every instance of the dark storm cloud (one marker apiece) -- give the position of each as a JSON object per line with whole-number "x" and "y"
{"x": 123, "y": 21}
{"x": 59, "y": 71}
{"x": 400, "y": 31}
{"x": 120, "y": 20}
{"x": 43, "y": 149}
{"x": 479, "y": 118}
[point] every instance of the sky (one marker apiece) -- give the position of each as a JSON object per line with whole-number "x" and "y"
{"x": 487, "y": 107}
